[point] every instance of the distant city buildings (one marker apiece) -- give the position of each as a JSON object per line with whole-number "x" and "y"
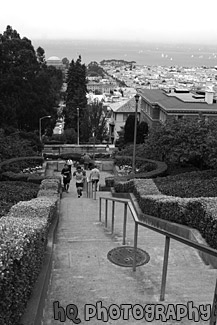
{"x": 165, "y": 92}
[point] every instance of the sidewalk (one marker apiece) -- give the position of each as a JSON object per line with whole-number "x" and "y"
{"x": 82, "y": 274}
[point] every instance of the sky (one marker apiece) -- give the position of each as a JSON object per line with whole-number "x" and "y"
{"x": 180, "y": 21}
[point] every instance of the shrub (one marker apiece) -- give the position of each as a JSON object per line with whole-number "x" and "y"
{"x": 199, "y": 213}
{"x": 11, "y": 176}
{"x": 18, "y": 164}
{"x": 42, "y": 207}
{"x": 23, "y": 234}
{"x": 34, "y": 178}
{"x": 73, "y": 156}
{"x": 21, "y": 255}
{"x": 109, "y": 181}
{"x": 12, "y": 192}
{"x": 192, "y": 184}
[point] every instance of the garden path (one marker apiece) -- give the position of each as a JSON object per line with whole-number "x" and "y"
{"x": 82, "y": 274}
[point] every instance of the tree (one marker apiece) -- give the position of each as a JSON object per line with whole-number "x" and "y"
{"x": 41, "y": 56}
{"x": 70, "y": 135}
{"x": 65, "y": 62}
{"x": 94, "y": 121}
{"x": 75, "y": 93}
{"x": 29, "y": 89}
{"x": 142, "y": 131}
{"x": 187, "y": 141}
{"x": 93, "y": 69}
{"x": 129, "y": 128}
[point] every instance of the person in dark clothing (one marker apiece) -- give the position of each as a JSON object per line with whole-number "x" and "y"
{"x": 66, "y": 173}
{"x": 87, "y": 160}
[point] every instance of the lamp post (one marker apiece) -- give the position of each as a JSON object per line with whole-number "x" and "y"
{"x": 40, "y": 119}
{"x": 78, "y": 125}
{"x": 135, "y": 131}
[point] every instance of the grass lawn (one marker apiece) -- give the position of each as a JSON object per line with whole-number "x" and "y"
{"x": 13, "y": 192}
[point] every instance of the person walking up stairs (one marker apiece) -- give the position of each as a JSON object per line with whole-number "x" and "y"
{"x": 79, "y": 176}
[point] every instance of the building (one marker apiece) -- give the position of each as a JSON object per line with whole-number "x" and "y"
{"x": 101, "y": 87}
{"x": 56, "y": 62}
{"x": 119, "y": 114}
{"x": 158, "y": 105}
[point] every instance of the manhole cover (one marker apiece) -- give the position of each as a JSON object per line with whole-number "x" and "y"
{"x": 123, "y": 256}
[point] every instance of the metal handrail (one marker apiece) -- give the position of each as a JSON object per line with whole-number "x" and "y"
{"x": 167, "y": 234}
{"x": 91, "y": 191}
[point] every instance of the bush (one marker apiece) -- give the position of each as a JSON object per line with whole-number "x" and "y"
{"x": 18, "y": 164}
{"x": 15, "y": 145}
{"x": 22, "y": 248}
{"x": 73, "y": 156}
{"x": 12, "y": 192}
{"x": 11, "y": 176}
{"x": 109, "y": 181}
{"x": 21, "y": 251}
{"x": 192, "y": 184}
{"x": 199, "y": 213}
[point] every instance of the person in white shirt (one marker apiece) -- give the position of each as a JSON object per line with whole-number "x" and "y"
{"x": 79, "y": 176}
{"x": 95, "y": 176}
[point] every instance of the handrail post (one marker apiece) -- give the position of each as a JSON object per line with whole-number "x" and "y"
{"x": 135, "y": 245}
{"x": 125, "y": 223}
{"x": 214, "y": 307}
{"x": 100, "y": 207}
{"x": 106, "y": 212}
{"x": 94, "y": 192}
{"x": 165, "y": 264}
{"x": 91, "y": 193}
{"x": 87, "y": 187}
{"x": 113, "y": 215}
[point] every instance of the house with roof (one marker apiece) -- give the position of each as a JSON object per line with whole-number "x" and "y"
{"x": 56, "y": 62}
{"x": 119, "y": 112}
{"x": 159, "y": 105}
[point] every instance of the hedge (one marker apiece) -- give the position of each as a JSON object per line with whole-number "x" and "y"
{"x": 21, "y": 254}
{"x": 23, "y": 238}
{"x": 18, "y": 164}
{"x": 199, "y": 213}
{"x": 160, "y": 170}
{"x": 179, "y": 185}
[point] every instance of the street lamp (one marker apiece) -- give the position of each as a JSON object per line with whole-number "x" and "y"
{"x": 40, "y": 119}
{"x": 78, "y": 125}
{"x": 135, "y": 130}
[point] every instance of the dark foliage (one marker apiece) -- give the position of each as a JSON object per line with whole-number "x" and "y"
{"x": 75, "y": 93}
{"x": 190, "y": 184}
{"x": 29, "y": 89}
{"x": 13, "y": 192}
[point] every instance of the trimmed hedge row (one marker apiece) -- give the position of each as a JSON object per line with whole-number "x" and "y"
{"x": 13, "y": 192}
{"x": 11, "y": 176}
{"x": 160, "y": 170}
{"x": 18, "y": 164}
{"x": 199, "y": 213}
{"x": 23, "y": 238}
{"x": 75, "y": 156}
{"x": 179, "y": 185}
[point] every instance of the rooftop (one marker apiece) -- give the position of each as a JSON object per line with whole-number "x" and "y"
{"x": 53, "y": 58}
{"x": 176, "y": 101}
{"x": 127, "y": 106}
